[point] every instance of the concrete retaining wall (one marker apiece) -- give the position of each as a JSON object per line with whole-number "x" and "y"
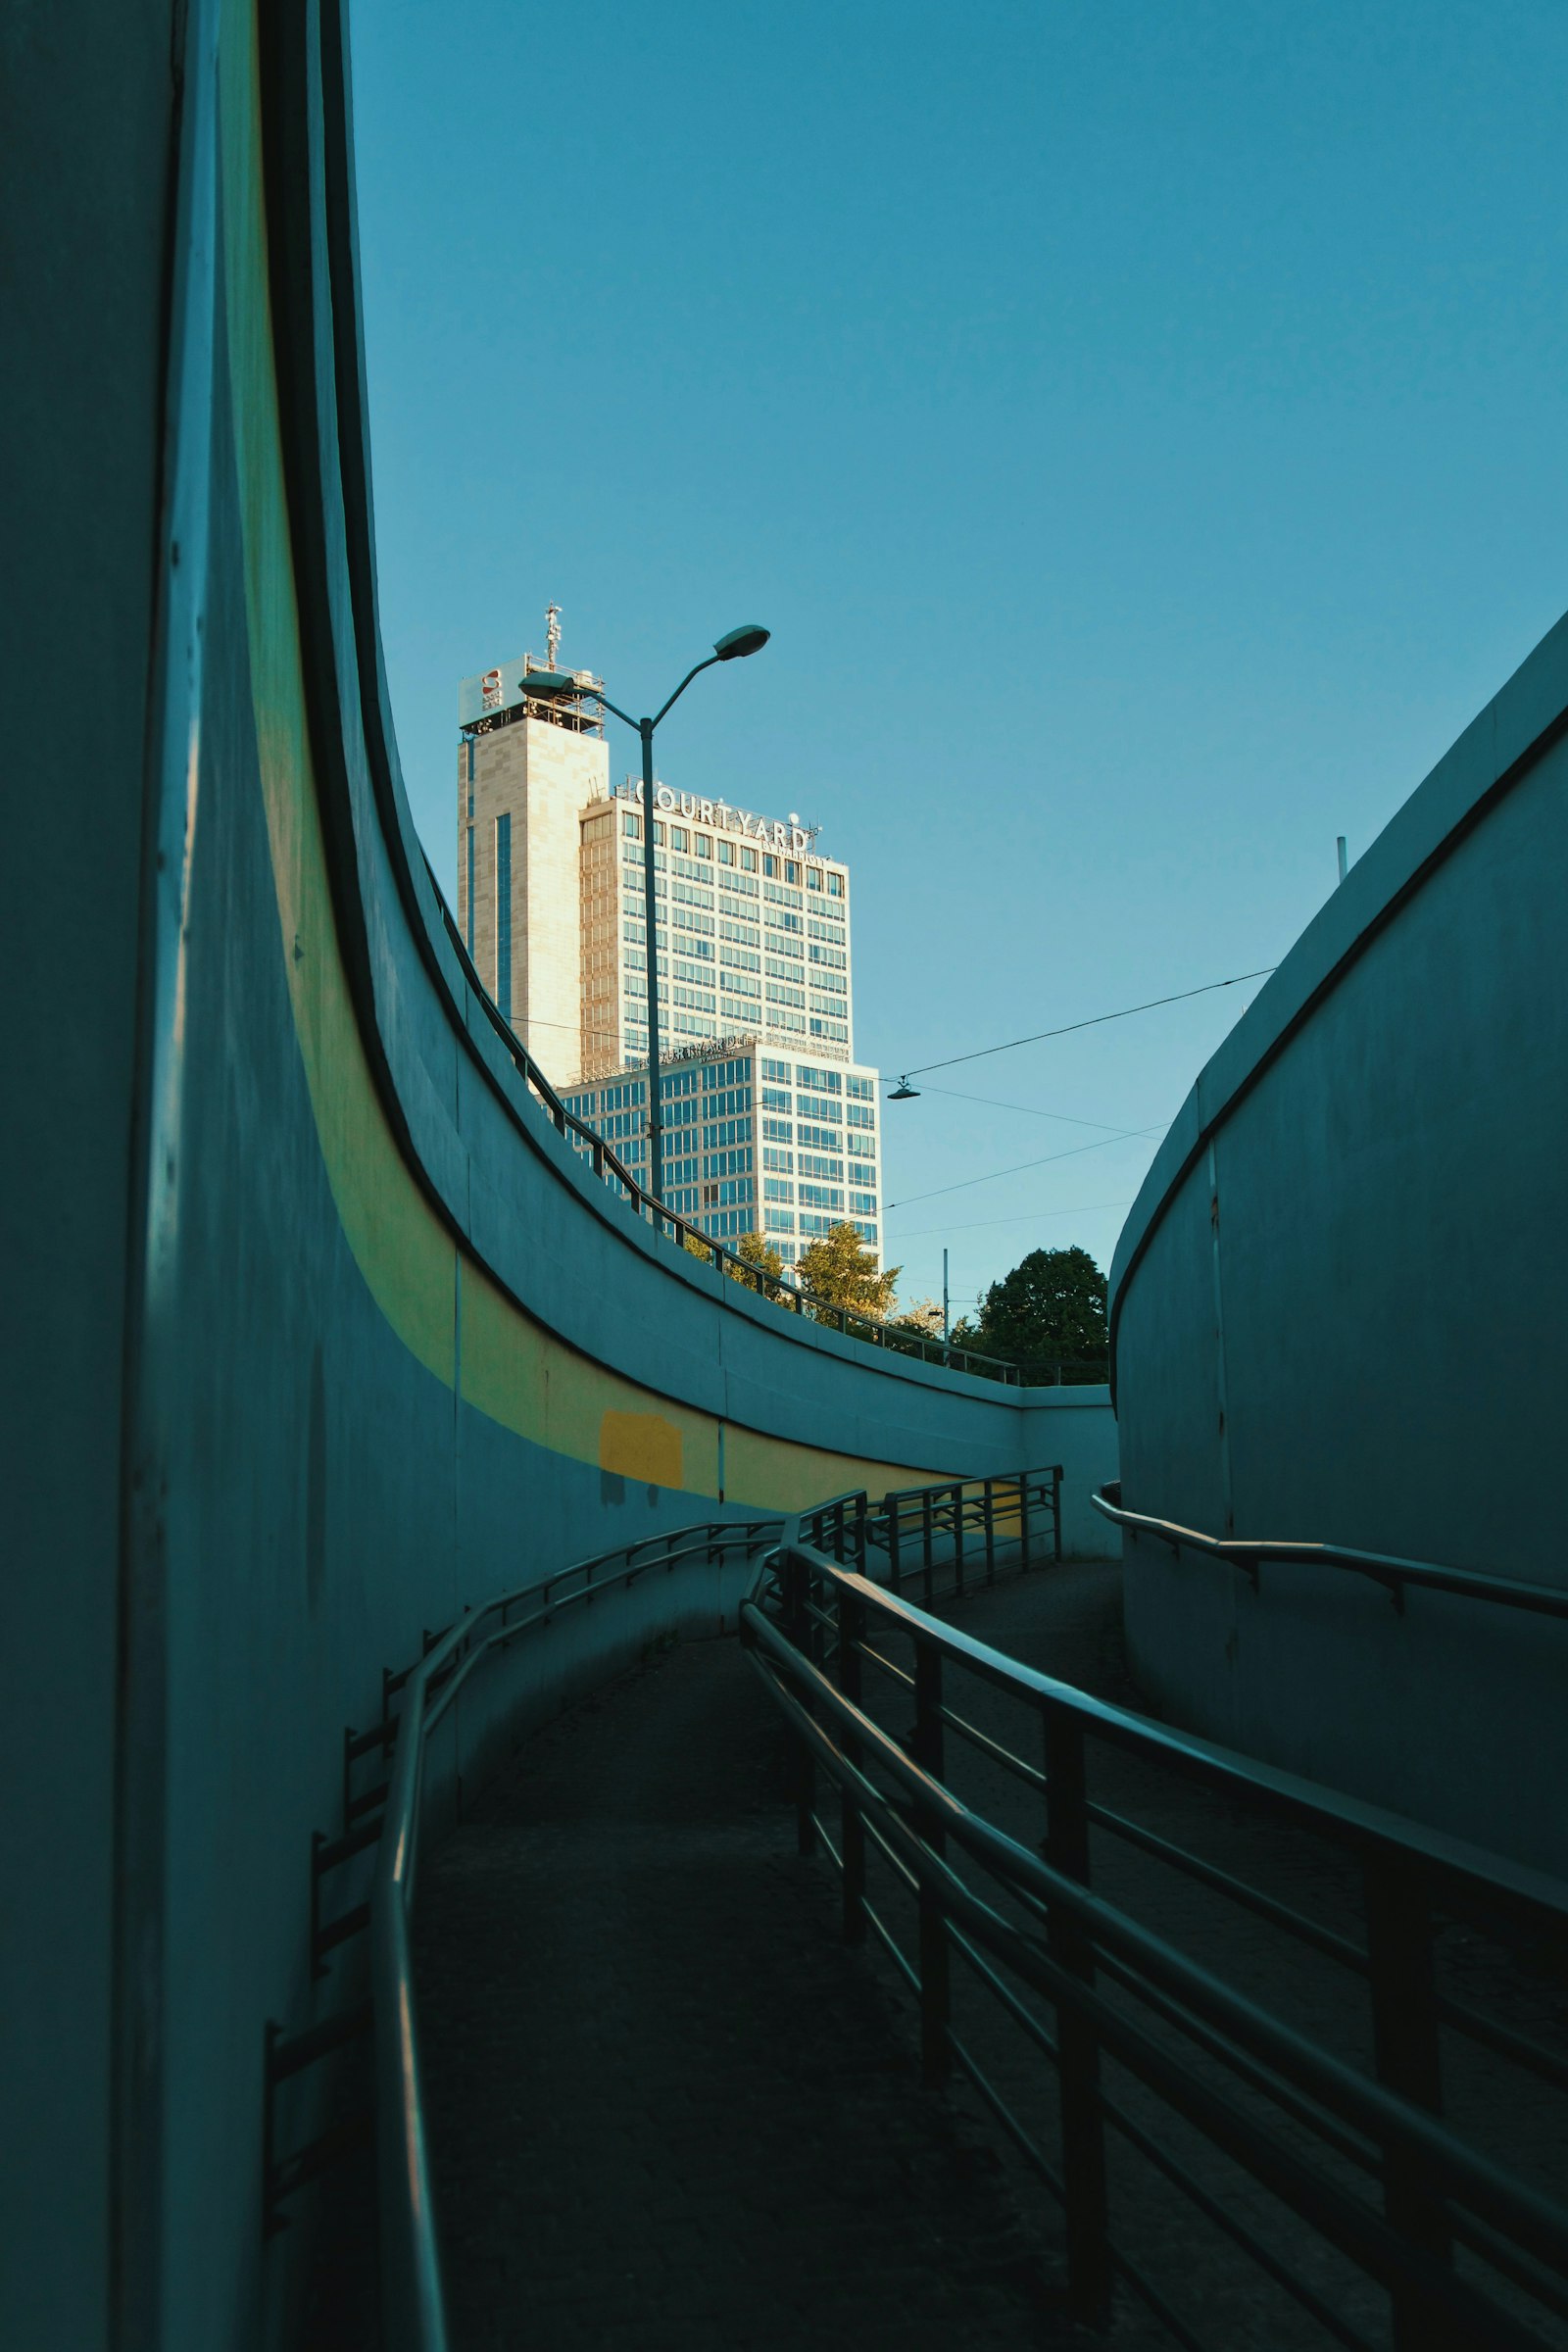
{"x": 1337, "y": 1309}
{"x": 318, "y": 1330}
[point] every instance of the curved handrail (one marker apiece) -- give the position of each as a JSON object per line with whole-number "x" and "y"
{"x": 611, "y": 1169}
{"x": 1250, "y": 1552}
{"x": 828, "y": 1625}
{"x": 414, "y": 2312}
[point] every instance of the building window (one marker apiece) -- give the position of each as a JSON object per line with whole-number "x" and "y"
{"x": 679, "y": 837}
{"x": 770, "y": 867}
{"x": 703, "y": 845}
{"x": 632, "y": 826}
{"x": 726, "y": 851}
{"x": 504, "y": 914}
{"x": 835, "y": 886}
{"x": 747, "y": 860}
{"x": 813, "y": 877}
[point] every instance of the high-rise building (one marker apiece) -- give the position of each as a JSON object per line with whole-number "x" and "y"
{"x": 752, "y": 934}
{"x": 755, "y": 1140}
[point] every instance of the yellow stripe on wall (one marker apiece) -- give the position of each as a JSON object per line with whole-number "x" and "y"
{"x": 511, "y": 1369}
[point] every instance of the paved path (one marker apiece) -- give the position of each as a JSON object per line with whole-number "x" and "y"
{"x": 667, "y": 2104}
{"x": 667, "y": 2109}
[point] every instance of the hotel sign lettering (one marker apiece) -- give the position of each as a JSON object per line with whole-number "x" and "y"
{"x": 791, "y": 841}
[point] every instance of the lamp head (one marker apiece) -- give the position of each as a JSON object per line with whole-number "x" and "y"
{"x": 736, "y": 644}
{"x": 903, "y": 1092}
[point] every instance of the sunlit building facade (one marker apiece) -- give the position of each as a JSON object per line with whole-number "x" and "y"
{"x": 755, "y": 968}
{"x": 755, "y": 1140}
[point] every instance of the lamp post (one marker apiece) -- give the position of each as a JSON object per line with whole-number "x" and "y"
{"x": 735, "y": 646}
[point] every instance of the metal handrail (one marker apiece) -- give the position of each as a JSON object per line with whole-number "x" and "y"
{"x": 413, "y": 2299}
{"x": 611, "y": 1170}
{"x": 1014, "y": 1506}
{"x": 1435, "y": 2184}
{"x": 1250, "y": 1552}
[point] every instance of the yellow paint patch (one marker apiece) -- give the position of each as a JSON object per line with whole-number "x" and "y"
{"x": 642, "y": 1446}
{"x": 771, "y": 1476}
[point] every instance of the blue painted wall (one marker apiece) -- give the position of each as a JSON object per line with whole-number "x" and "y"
{"x": 318, "y": 1329}
{"x": 1338, "y": 1309}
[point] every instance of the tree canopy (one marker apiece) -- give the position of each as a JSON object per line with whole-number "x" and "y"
{"x": 1051, "y": 1308}
{"x": 841, "y": 1270}
{"x": 762, "y": 1265}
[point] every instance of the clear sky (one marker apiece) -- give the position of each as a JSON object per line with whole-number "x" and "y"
{"x": 1141, "y": 425}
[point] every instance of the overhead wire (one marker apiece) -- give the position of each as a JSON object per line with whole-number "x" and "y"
{"x": 1031, "y": 1111}
{"x": 1021, "y": 1168}
{"x": 919, "y": 1069}
{"x": 1025, "y": 1217}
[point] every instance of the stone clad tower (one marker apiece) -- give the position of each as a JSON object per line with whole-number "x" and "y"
{"x": 531, "y": 759}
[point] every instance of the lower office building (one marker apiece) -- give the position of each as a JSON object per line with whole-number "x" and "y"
{"x": 756, "y": 1141}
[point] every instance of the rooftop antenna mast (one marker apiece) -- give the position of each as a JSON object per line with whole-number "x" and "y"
{"x": 552, "y": 635}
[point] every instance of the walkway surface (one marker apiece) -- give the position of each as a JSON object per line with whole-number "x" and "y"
{"x": 667, "y": 2108}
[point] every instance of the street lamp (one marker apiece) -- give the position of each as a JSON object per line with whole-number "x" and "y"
{"x": 734, "y": 646}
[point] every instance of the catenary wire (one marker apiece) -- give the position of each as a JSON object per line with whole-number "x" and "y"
{"x": 919, "y": 1069}
{"x": 1020, "y": 1168}
{"x": 1027, "y": 1216}
{"x": 950, "y": 1093}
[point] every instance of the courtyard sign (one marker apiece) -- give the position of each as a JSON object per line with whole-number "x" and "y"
{"x": 790, "y": 840}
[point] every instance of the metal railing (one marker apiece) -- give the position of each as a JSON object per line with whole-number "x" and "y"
{"x": 785, "y": 1290}
{"x": 1447, "y": 2246}
{"x": 959, "y": 1528}
{"x": 413, "y": 2306}
{"x": 1396, "y": 1576}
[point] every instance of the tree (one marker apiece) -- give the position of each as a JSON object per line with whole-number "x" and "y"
{"x": 840, "y": 1271}
{"x": 759, "y": 1255}
{"x": 1051, "y": 1308}
{"x": 922, "y": 1315}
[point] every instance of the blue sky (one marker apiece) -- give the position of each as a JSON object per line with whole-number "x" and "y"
{"x": 1142, "y": 427}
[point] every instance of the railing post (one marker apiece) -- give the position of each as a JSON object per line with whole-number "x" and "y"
{"x": 1083, "y": 2129}
{"x": 925, "y": 1524}
{"x": 1055, "y": 1514}
{"x": 935, "y": 1952}
{"x": 988, "y": 1521}
{"x": 890, "y": 1509}
{"x": 958, "y": 1536}
{"x": 1409, "y": 2058}
{"x": 1024, "y": 1518}
{"x": 795, "y": 1580}
{"x": 852, "y": 1628}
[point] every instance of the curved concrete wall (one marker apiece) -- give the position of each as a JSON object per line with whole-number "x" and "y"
{"x": 319, "y": 1330}
{"x": 1337, "y": 1311}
